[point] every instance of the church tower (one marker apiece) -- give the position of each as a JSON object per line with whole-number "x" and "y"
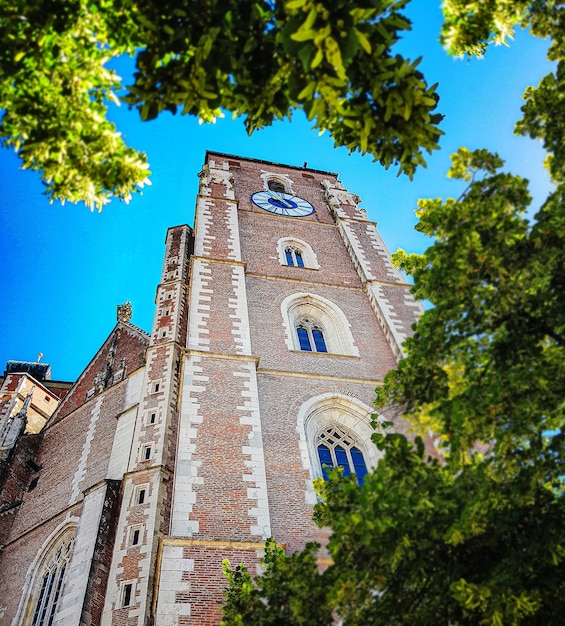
{"x": 295, "y": 314}
{"x": 276, "y": 318}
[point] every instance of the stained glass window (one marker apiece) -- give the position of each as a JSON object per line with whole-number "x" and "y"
{"x": 51, "y": 577}
{"x": 310, "y": 336}
{"x": 293, "y": 256}
{"x": 336, "y": 448}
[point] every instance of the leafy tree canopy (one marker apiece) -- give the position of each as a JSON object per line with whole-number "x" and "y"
{"x": 477, "y": 537}
{"x": 259, "y": 60}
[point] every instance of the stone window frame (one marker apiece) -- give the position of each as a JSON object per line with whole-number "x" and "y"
{"x": 312, "y": 338}
{"x": 132, "y": 602}
{"x": 324, "y": 314}
{"x": 48, "y": 558}
{"x": 131, "y": 535}
{"x": 147, "y": 452}
{"x": 308, "y": 255}
{"x": 282, "y": 179}
{"x": 334, "y": 409}
{"x": 137, "y": 494}
{"x": 334, "y": 437}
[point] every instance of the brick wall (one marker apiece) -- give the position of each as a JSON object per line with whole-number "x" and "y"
{"x": 128, "y": 343}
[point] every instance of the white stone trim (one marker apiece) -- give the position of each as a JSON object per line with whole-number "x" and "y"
{"x": 113, "y": 599}
{"x": 199, "y": 306}
{"x": 80, "y": 563}
{"x": 308, "y": 254}
{"x": 281, "y": 178}
{"x": 333, "y": 408}
{"x": 332, "y": 320}
{"x": 255, "y": 476}
{"x": 122, "y": 445}
{"x": 392, "y": 325}
{"x": 203, "y": 240}
{"x": 239, "y": 316}
{"x": 173, "y": 565}
{"x": 233, "y": 226}
{"x": 186, "y": 468}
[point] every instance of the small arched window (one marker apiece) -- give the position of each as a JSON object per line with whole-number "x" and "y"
{"x": 49, "y": 581}
{"x": 276, "y": 186}
{"x": 310, "y": 336}
{"x": 314, "y": 324}
{"x": 296, "y": 253}
{"x": 293, "y": 256}
{"x": 336, "y": 448}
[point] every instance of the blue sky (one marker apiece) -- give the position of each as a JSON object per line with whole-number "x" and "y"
{"x": 64, "y": 269}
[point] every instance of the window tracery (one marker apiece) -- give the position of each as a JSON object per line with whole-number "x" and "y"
{"x": 296, "y": 253}
{"x": 293, "y": 256}
{"x": 337, "y": 448}
{"x": 335, "y": 429}
{"x": 49, "y": 580}
{"x": 310, "y": 336}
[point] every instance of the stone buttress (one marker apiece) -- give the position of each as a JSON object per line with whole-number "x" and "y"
{"x": 220, "y": 507}
{"x": 147, "y": 487}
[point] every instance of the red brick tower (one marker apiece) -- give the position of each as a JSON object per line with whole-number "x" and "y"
{"x": 295, "y": 316}
{"x": 275, "y": 320}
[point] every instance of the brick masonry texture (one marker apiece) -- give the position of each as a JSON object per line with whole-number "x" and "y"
{"x": 175, "y": 450}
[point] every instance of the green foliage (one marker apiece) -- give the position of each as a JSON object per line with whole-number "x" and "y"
{"x": 471, "y": 25}
{"x": 486, "y": 364}
{"x": 477, "y": 537}
{"x": 259, "y": 60}
{"x": 54, "y": 89}
{"x": 289, "y": 593}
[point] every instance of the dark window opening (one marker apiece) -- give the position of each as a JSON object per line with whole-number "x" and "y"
{"x": 277, "y": 186}
{"x": 51, "y": 584}
{"x": 304, "y": 339}
{"x": 141, "y": 496}
{"x": 127, "y": 595}
{"x": 32, "y": 465}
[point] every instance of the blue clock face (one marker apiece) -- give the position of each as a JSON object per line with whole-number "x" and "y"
{"x": 282, "y": 203}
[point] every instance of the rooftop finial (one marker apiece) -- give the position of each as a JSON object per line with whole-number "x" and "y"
{"x": 124, "y": 312}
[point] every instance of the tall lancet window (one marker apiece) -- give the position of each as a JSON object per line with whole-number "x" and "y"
{"x": 49, "y": 580}
{"x": 337, "y": 449}
{"x": 310, "y": 336}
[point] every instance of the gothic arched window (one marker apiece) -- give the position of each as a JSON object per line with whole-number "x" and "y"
{"x": 296, "y": 253}
{"x": 293, "y": 256}
{"x": 335, "y": 430}
{"x": 336, "y": 448}
{"x": 314, "y": 324}
{"x": 46, "y": 591}
{"x": 310, "y": 336}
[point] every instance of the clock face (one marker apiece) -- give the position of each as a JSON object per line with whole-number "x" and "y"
{"x": 282, "y": 203}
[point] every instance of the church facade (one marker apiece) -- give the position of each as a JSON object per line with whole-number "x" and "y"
{"x": 276, "y": 317}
